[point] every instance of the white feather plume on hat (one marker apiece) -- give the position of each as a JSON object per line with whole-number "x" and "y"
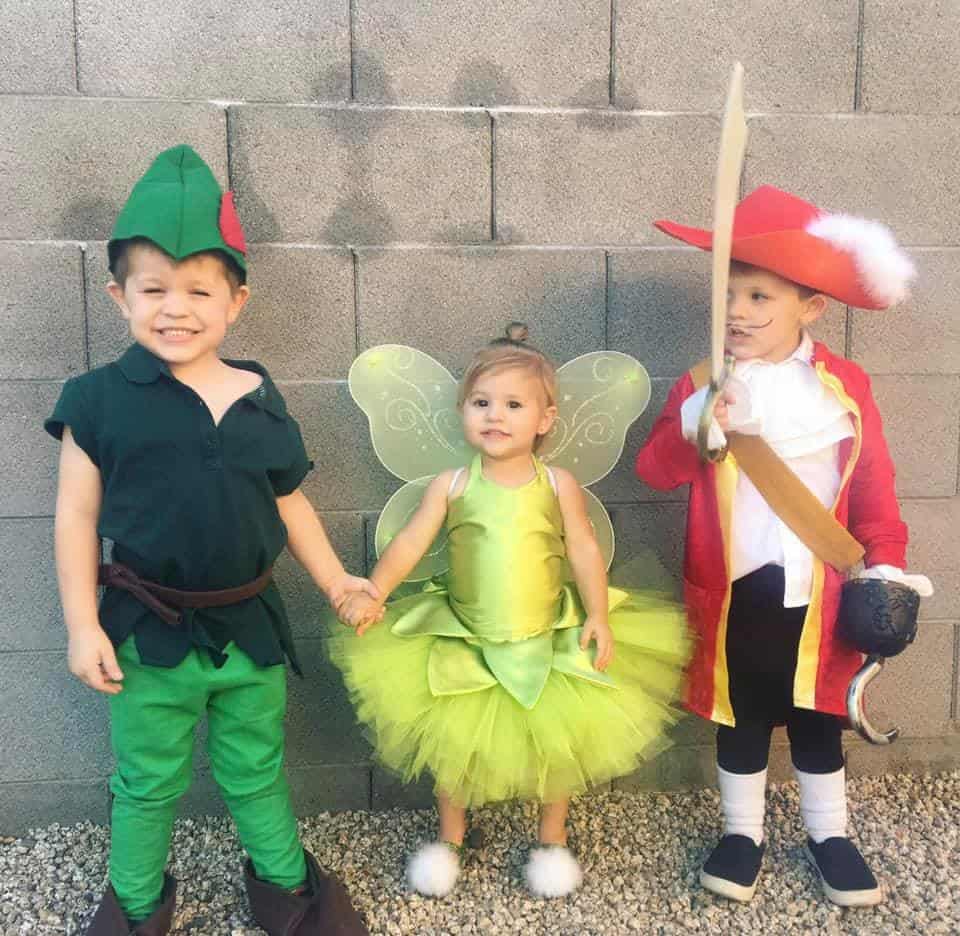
{"x": 884, "y": 267}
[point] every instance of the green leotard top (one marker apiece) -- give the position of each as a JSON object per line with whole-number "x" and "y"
{"x": 503, "y": 612}
{"x": 507, "y": 558}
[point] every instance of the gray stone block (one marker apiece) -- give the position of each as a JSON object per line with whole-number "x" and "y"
{"x": 660, "y": 308}
{"x": 388, "y": 792}
{"x": 296, "y": 50}
{"x": 908, "y": 755}
{"x": 865, "y": 166}
{"x": 66, "y": 736}
{"x": 28, "y": 456}
{"x": 29, "y": 805}
{"x": 597, "y": 177}
{"x": 798, "y": 56}
{"x": 486, "y": 52}
{"x": 361, "y": 176}
{"x": 107, "y": 331}
{"x": 310, "y": 615}
{"x": 656, "y": 529}
{"x": 41, "y": 311}
{"x": 935, "y": 551}
{"x": 63, "y": 174}
{"x": 347, "y": 474}
{"x": 915, "y": 689}
{"x": 37, "y": 47}
{"x": 622, "y": 486}
{"x": 321, "y": 728}
{"x": 450, "y": 303}
{"x": 922, "y": 336}
{"x": 32, "y": 619}
{"x": 919, "y": 421}
{"x": 910, "y": 50}
{"x": 679, "y": 768}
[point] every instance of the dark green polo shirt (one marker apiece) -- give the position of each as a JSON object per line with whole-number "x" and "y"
{"x": 187, "y": 503}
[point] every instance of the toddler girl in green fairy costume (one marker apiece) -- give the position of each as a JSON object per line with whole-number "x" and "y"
{"x": 501, "y": 677}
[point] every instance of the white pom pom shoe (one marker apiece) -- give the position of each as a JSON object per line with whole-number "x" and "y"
{"x": 433, "y": 868}
{"x": 552, "y": 871}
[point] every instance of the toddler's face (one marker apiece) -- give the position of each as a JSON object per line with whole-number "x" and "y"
{"x": 178, "y": 311}
{"x": 765, "y": 315}
{"x": 504, "y": 413}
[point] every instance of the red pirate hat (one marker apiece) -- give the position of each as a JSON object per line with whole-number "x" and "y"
{"x": 851, "y": 259}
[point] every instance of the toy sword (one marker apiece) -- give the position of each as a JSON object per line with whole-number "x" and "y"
{"x": 733, "y": 143}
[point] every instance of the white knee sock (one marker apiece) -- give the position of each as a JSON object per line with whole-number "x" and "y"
{"x": 743, "y": 799}
{"x": 823, "y": 804}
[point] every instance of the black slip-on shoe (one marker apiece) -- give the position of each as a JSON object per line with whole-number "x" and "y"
{"x": 733, "y": 868}
{"x": 846, "y": 879}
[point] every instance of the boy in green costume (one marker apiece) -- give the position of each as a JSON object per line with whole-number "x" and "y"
{"x": 191, "y": 465}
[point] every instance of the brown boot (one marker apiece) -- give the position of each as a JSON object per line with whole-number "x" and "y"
{"x": 324, "y": 909}
{"x": 109, "y": 920}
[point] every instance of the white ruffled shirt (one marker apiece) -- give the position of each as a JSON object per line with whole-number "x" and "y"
{"x": 804, "y": 423}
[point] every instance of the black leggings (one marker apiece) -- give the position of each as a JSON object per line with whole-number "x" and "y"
{"x": 762, "y": 642}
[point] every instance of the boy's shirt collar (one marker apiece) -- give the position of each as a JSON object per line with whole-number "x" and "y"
{"x": 139, "y": 366}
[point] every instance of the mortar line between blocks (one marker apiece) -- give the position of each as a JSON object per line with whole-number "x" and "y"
{"x": 351, "y": 18}
{"x": 606, "y": 299}
{"x": 858, "y": 68}
{"x": 356, "y": 302}
{"x": 612, "y": 62}
{"x": 493, "y": 176}
{"x": 76, "y": 48}
{"x": 228, "y": 131}
{"x": 86, "y": 307}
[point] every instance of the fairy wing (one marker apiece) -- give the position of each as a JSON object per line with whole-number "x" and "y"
{"x": 410, "y": 401}
{"x": 599, "y": 396}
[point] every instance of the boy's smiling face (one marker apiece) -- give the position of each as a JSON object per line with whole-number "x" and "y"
{"x": 179, "y": 311}
{"x": 766, "y": 314}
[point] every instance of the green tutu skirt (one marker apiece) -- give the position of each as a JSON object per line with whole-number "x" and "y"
{"x": 481, "y": 744}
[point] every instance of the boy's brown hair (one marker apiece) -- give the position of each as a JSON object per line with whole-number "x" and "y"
{"x": 119, "y": 259}
{"x": 738, "y": 266}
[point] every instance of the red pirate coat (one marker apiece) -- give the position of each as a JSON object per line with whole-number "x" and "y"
{"x": 866, "y": 505}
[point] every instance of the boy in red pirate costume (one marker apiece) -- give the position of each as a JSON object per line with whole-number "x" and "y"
{"x": 763, "y": 605}
{"x": 192, "y": 466}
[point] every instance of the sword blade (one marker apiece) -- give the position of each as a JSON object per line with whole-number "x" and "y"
{"x": 733, "y": 144}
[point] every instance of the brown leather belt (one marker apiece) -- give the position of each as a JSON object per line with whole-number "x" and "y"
{"x": 168, "y": 602}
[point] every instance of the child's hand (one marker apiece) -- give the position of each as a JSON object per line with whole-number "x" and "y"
{"x": 599, "y": 630}
{"x": 360, "y": 611}
{"x": 92, "y": 659}
{"x": 340, "y": 588}
{"x": 721, "y": 411}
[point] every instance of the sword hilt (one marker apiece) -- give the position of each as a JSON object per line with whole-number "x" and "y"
{"x": 714, "y": 393}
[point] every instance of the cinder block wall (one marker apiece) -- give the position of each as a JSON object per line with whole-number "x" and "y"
{"x": 422, "y": 171}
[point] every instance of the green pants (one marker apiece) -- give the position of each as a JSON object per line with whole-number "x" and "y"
{"x": 153, "y": 722}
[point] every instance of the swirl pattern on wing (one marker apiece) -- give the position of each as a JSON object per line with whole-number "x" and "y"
{"x": 410, "y": 402}
{"x": 600, "y": 395}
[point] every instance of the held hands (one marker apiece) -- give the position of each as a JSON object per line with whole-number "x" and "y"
{"x": 340, "y": 588}
{"x": 92, "y": 660}
{"x": 597, "y": 629}
{"x": 360, "y": 612}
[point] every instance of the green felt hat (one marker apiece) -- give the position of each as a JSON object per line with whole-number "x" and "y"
{"x": 179, "y": 206}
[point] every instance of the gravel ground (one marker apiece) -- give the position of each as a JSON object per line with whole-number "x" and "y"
{"x": 640, "y": 854}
